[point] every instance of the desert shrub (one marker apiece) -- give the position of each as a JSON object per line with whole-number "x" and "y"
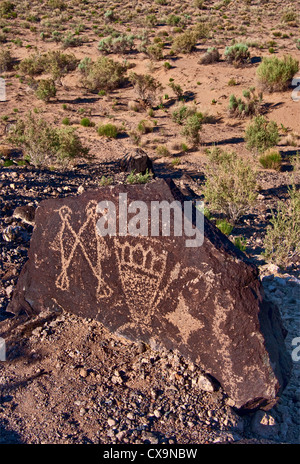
{"x": 71, "y": 40}
{"x": 230, "y": 186}
{"x": 289, "y": 15}
{"x": 84, "y": 65}
{"x": 155, "y": 51}
{"x": 108, "y": 130}
{"x": 224, "y": 226}
{"x": 275, "y": 74}
{"x": 183, "y": 111}
{"x": 139, "y": 178}
{"x": 237, "y": 54}
{"x": 69, "y": 144}
{"x": 86, "y": 122}
{"x": 176, "y": 89}
{"x": 144, "y": 127}
{"x": 33, "y": 65}
{"x": 251, "y": 106}
{"x": 122, "y": 44}
{"x": 104, "y": 74}
{"x": 145, "y": 86}
{"x": 57, "y": 4}
{"x": 271, "y": 160}
{"x": 202, "y": 30}
{"x": 58, "y": 64}
{"x": 7, "y": 9}
{"x": 185, "y": 42}
{"x": 261, "y": 134}
{"x": 162, "y": 150}
{"x": 46, "y": 90}
{"x": 192, "y": 128}
{"x": 173, "y": 20}
{"x": 281, "y": 241}
{"x": 212, "y": 55}
{"x": 295, "y": 162}
{"x": 240, "y": 243}
{"x": 105, "y": 181}
{"x": 44, "y": 144}
{"x": 6, "y": 60}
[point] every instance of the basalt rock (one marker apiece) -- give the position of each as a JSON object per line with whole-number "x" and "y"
{"x": 136, "y": 160}
{"x": 205, "y": 302}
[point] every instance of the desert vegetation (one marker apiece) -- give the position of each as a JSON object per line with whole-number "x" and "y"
{"x": 202, "y": 87}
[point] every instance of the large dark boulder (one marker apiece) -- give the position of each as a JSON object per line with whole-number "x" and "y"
{"x": 136, "y": 160}
{"x": 206, "y": 301}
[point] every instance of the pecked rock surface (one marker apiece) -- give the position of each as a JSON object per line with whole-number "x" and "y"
{"x": 204, "y": 302}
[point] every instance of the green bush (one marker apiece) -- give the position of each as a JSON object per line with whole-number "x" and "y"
{"x": 192, "y": 128}
{"x": 7, "y": 10}
{"x": 224, "y": 226}
{"x": 240, "y": 243}
{"x": 32, "y": 66}
{"x": 108, "y": 130}
{"x": 46, "y": 90}
{"x": 122, "y": 44}
{"x": 281, "y": 241}
{"x": 69, "y": 144}
{"x": 252, "y": 105}
{"x": 261, "y": 134}
{"x": 230, "y": 186}
{"x": 275, "y": 74}
{"x": 71, "y": 40}
{"x": 53, "y": 62}
{"x": 182, "y": 112}
{"x": 185, "y": 42}
{"x": 44, "y": 144}
{"x": 58, "y": 64}
{"x": 271, "y": 160}
{"x": 6, "y": 60}
{"x": 145, "y": 86}
{"x": 202, "y": 30}
{"x": 86, "y": 122}
{"x": 139, "y": 178}
{"x": 104, "y": 74}
{"x": 237, "y": 54}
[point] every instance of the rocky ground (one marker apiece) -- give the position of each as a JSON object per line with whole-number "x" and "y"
{"x": 67, "y": 380}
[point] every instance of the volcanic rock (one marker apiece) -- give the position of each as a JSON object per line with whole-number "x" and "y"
{"x": 136, "y": 160}
{"x": 205, "y": 302}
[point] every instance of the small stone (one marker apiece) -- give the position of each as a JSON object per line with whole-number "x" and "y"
{"x": 111, "y": 422}
{"x": 157, "y": 413}
{"x": 205, "y": 384}
{"x": 80, "y": 189}
{"x": 26, "y": 213}
{"x": 83, "y": 372}
{"x": 9, "y": 290}
{"x": 264, "y": 424}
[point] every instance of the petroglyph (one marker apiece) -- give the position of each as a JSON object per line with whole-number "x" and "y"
{"x": 183, "y": 320}
{"x": 141, "y": 268}
{"x": 68, "y": 240}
